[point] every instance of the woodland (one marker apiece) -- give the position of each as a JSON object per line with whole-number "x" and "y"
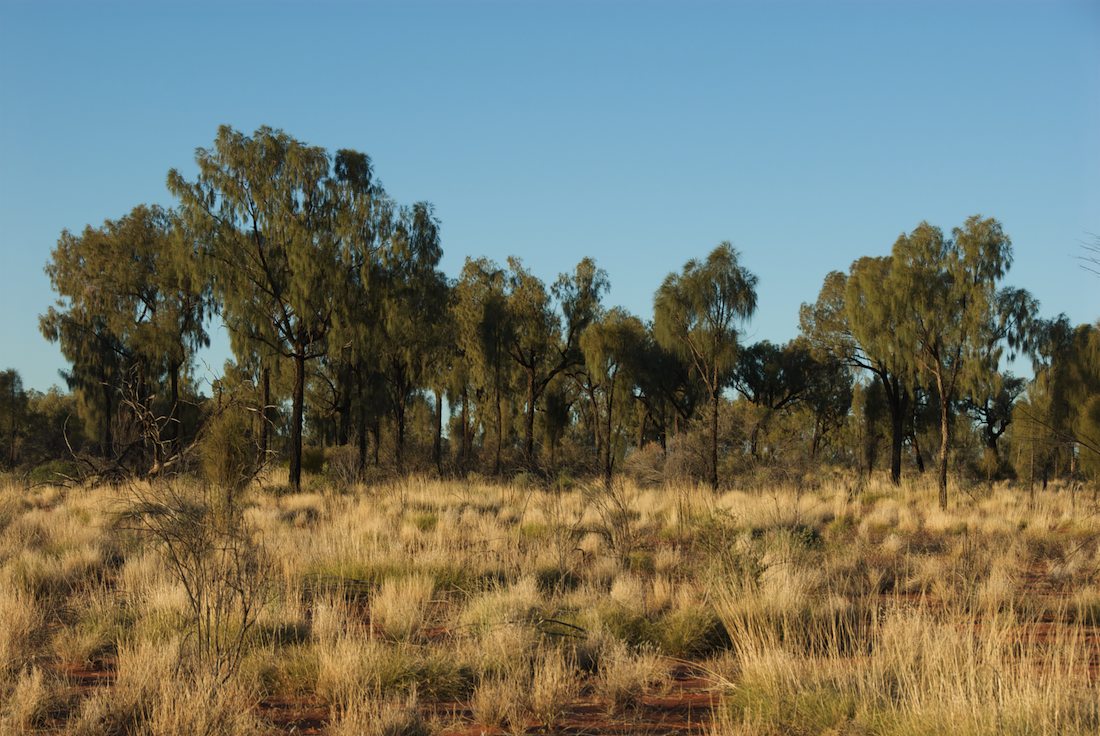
{"x": 489, "y": 504}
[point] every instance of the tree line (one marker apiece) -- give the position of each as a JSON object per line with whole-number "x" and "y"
{"x": 352, "y": 349}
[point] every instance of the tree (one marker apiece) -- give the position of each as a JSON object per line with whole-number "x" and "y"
{"x": 855, "y": 322}
{"x": 131, "y": 314}
{"x": 946, "y": 289}
{"x": 484, "y": 333}
{"x": 697, "y": 314}
{"x": 666, "y": 387}
{"x": 542, "y": 343}
{"x": 775, "y": 378}
{"x": 612, "y": 346}
{"x": 13, "y": 410}
{"x": 992, "y": 407}
{"x": 413, "y": 315}
{"x": 1059, "y": 411}
{"x": 364, "y": 225}
{"x": 264, "y": 208}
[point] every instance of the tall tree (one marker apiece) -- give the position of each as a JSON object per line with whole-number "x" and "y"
{"x": 697, "y": 314}
{"x": 131, "y": 314}
{"x": 855, "y": 321}
{"x": 264, "y": 207}
{"x": 612, "y": 351}
{"x": 946, "y": 288}
{"x": 13, "y": 410}
{"x": 413, "y": 320}
{"x": 484, "y": 333}
{"x": 364, "y": 226}
{"x": 543, "y": 344}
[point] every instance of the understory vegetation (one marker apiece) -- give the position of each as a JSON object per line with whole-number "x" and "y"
{"x": 418, "y": 606}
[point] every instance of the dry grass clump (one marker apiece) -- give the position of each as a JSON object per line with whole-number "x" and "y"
{"x": 499, "y": 702}
{"x": 400, "y": 607}
{"x": 374, "y": 715}
{"x": 553, "y": 687}
{"x": 27, "y": 704}
{"x": 22, "y": 623}
{"x": 626, "y": 675}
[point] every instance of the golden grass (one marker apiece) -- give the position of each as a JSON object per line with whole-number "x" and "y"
{"x": 815, "y": 611}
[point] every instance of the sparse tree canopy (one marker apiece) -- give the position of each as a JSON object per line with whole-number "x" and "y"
{"x": 266, "y": 210}
{"x": 697, "y": 314}
{"x": 945, "y": 289}
{"x": 132, "y": 313}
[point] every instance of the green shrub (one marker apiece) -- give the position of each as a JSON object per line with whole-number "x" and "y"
{"x": 313, "y": 460}
{"x": 54, "y": 471}
{"x": 228, "y": 453}
{"x": 694, "y": 632}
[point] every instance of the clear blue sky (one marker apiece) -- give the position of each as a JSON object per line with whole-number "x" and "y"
{"x": 808, "y": 134}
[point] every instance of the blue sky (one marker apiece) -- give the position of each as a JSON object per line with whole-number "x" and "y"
{"x": 808, "y": 134}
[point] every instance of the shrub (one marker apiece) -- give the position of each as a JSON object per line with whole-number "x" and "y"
{"x": 228, "y": 454}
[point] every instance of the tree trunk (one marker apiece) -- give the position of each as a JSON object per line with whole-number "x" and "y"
{"x": 608, "y": 461}
{"x": 361, "y": 439}
{"x": 297, "y": 414}
{"x": 107, "y": 444}
{"x": 945, "y": 440}
{"x": 465, "y": 429}
{"x": 265, "y": 411}
{"x": 376, "y": 432}
{"x": 437, "y": 445}
{"x": 343, "y": 429}
{"x": 500, "y": 431}
{"x": 174, "y": 411}
{"x": 529, "y": 425}
{"x": 897, "y": 398}
{"x": 714, "y": 440}
{"x": 917, "y": 454}
{"x": 399, "y": 436}
{"x": 754, "y": 436}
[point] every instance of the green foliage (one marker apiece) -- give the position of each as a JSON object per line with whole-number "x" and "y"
{"x": 131, "y": 313}
{"x": 697, "y": 314}
{"x": 227, "y": 450}
{"x": 695, "y": 632}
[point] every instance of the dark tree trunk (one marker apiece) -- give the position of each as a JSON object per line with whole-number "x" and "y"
{"x": 437, "y": 445}
{"x": 465, "y": 429}
{"x": 343, "y": 429}
{"x": 107, "y": 443}
{"x": 754, "y": 437}
{"x": 399, "y": 435}
{"x": 945, "y": 440}
{"x": 608, "y": 463}
{"x": 500, "y": 431}
{"x": 297, "y": 414}
{"x": 361, "y": 469}
{"x": 715, "y": 400}
{"x": 529, "y": 424}
{"x": 265, "y": 411}
{"x": 991, "y": 443}
{"x": 917, "y": 454}
{"x": 174, "y": 410}
{"x": 376, "y": 433}
{"x": 897, "y": 398}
